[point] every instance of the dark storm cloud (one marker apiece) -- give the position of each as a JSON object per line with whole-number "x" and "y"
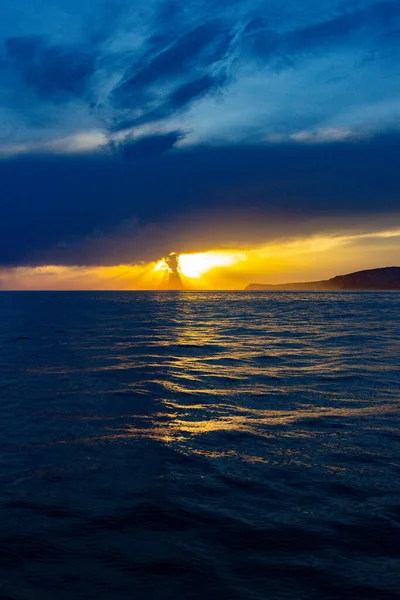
{"x": 69, "y": 210}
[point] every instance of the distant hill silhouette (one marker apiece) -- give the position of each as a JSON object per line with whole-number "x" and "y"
{"x": 387, "y": 278}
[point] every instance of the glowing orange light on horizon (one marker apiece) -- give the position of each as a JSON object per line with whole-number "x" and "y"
{"x": 308, "y": 258}
{"x": 195, "y": 265}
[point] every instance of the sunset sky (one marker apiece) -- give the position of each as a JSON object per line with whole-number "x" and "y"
{"x": 258, "y": 139}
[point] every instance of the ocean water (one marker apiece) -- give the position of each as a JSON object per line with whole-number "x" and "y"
{"x": 199, "y": 445}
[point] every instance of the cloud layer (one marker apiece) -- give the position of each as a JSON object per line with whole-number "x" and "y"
{"x": 128, "y": 130}
{"x": 161, "y": 66}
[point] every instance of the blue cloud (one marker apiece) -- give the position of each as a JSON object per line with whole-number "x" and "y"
{"x": 139, "y": 149}
{"x": 182, "y": 97}
{"x": 358, "y": 29}
{"x": 191, "y": 90}
{"x": 199, "y": 48}
{"x": 124, "y": 66}
{"x": 55, "y": 73}
{"x": 190, "y": 65}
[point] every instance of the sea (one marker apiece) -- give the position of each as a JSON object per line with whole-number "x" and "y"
{"x": 199, "y": 445}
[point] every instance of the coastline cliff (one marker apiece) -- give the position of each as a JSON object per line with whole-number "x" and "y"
{"x": 387, "y": 278}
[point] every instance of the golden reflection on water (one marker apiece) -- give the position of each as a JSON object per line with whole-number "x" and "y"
{"x": 180, "y": 423}
{"x": 223, "y": 366}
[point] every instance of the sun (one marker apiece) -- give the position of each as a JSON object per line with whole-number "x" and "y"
{"x": 175, "y": 268}
{"x": 195, "y": 265}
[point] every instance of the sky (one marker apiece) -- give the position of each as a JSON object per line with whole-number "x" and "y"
{"x": 260, "y": 139}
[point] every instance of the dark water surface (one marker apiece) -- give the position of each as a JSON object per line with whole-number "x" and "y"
{"x": 199, "y": 445}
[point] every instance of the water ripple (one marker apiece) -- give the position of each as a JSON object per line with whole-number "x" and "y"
{"x": 235, "y": 445}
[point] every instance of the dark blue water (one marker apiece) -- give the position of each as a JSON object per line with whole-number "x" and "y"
{"x": 199, "y": 445}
